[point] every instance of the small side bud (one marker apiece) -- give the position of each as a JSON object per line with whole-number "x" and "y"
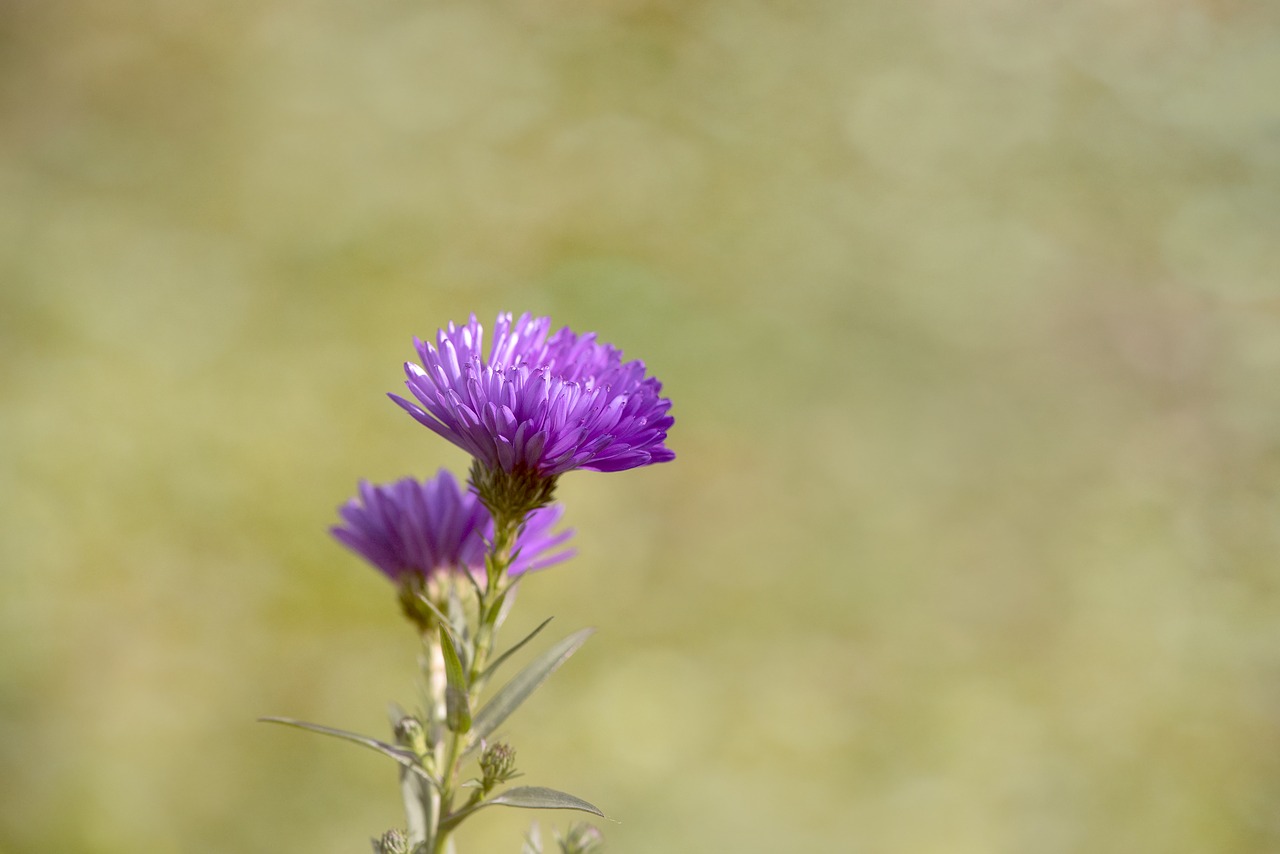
{"x": 581, "y": 839}
{"x": 392, "y": 842}
{"x": 497, "y": 764}
{"x": 410, "y": 734}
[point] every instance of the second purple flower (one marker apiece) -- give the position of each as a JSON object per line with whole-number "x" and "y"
{"x": 414, "y": 531}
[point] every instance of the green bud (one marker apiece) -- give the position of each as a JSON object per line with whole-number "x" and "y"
{"x": 410, "y": 734}
{"x": 392, "y": 842}
{"x": 581, "y": 839}
{"x": 497, "y": 764}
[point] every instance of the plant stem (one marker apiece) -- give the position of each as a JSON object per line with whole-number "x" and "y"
{"x": 446, "y": 797}
{"x": 436, "y": 732}
{"x": 447, "y": 743}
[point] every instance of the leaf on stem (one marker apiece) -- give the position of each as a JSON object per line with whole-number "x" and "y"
{"x": 498, "y": 662}
{"x": 541, "y": 798}
{"x": 404, "y": 757}
{"x": 525, "y": 797}
{"x": 456, "y": 704}
{"x": 444, "y": 621}
{"x": 524, "y": 683}
{"x": 458, "y": 619}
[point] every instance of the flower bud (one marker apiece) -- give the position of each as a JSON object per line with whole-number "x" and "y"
{"x": 392, "y": 842}
{"x": 581, "y": 839}
{"x": 497, "y": 764}
{"x": 410, "y": 734}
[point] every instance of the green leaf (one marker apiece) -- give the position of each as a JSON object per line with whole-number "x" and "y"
{"x": 404, "y": 757}
{"x": 461, "y": 629}
{"x": 541, "y": 798}
{"x": 441, "y": 619}
{"x": 524, "y": 683}
{"x": 525, "y": 797}
{"x": 498, "y": 662}
{"x": 505, "y": 603}
{"x": 456, "y": 704}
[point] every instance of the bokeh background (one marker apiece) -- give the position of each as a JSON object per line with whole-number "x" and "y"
{"x": 971, "y": 316}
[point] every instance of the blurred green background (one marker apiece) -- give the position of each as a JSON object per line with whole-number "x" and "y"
{"x": 970, "y": 312}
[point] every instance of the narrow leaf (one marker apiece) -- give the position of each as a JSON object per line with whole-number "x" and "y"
{"x": 525, "y": 797}
{"x": 524, "y": 683}
{"x": 541, "y": 798}
{"x": 461, "y": 631}
{"x": 457, "y": 706}
{"x": 500, "y": 660}
{"x": 506, "y": 603}
{"x": 475, "y": 585}
{"x": 440, "y": 617}
{"x": 404, "y": 757}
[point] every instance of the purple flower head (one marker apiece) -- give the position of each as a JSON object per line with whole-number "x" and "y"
{"x": 409, "y": 528}
{"x": 536, "y": 402}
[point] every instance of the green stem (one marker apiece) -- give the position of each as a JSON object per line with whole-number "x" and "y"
{"x": 432, "y": 805}
{"x": 446, "y": 797}
{"x": 489, "y": 606}
{"x": 497, "y": 562}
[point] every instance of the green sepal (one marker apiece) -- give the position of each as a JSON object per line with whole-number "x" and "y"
{"x": 405, "y": 757}
{"x": 510, "y": 496}
{"x": 457, "y": 706}
{"x": 498, "y": 662}
{"x": 524, "y": 683}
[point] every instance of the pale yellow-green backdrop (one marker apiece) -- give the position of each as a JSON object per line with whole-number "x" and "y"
{"x": 969, "y": 310}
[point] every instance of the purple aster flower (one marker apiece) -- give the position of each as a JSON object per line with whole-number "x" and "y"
{"x": 408, "y": 528}
{"x": 537, "y": 403}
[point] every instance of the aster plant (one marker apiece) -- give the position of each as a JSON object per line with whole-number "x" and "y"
{"x": 530, "y": 408}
